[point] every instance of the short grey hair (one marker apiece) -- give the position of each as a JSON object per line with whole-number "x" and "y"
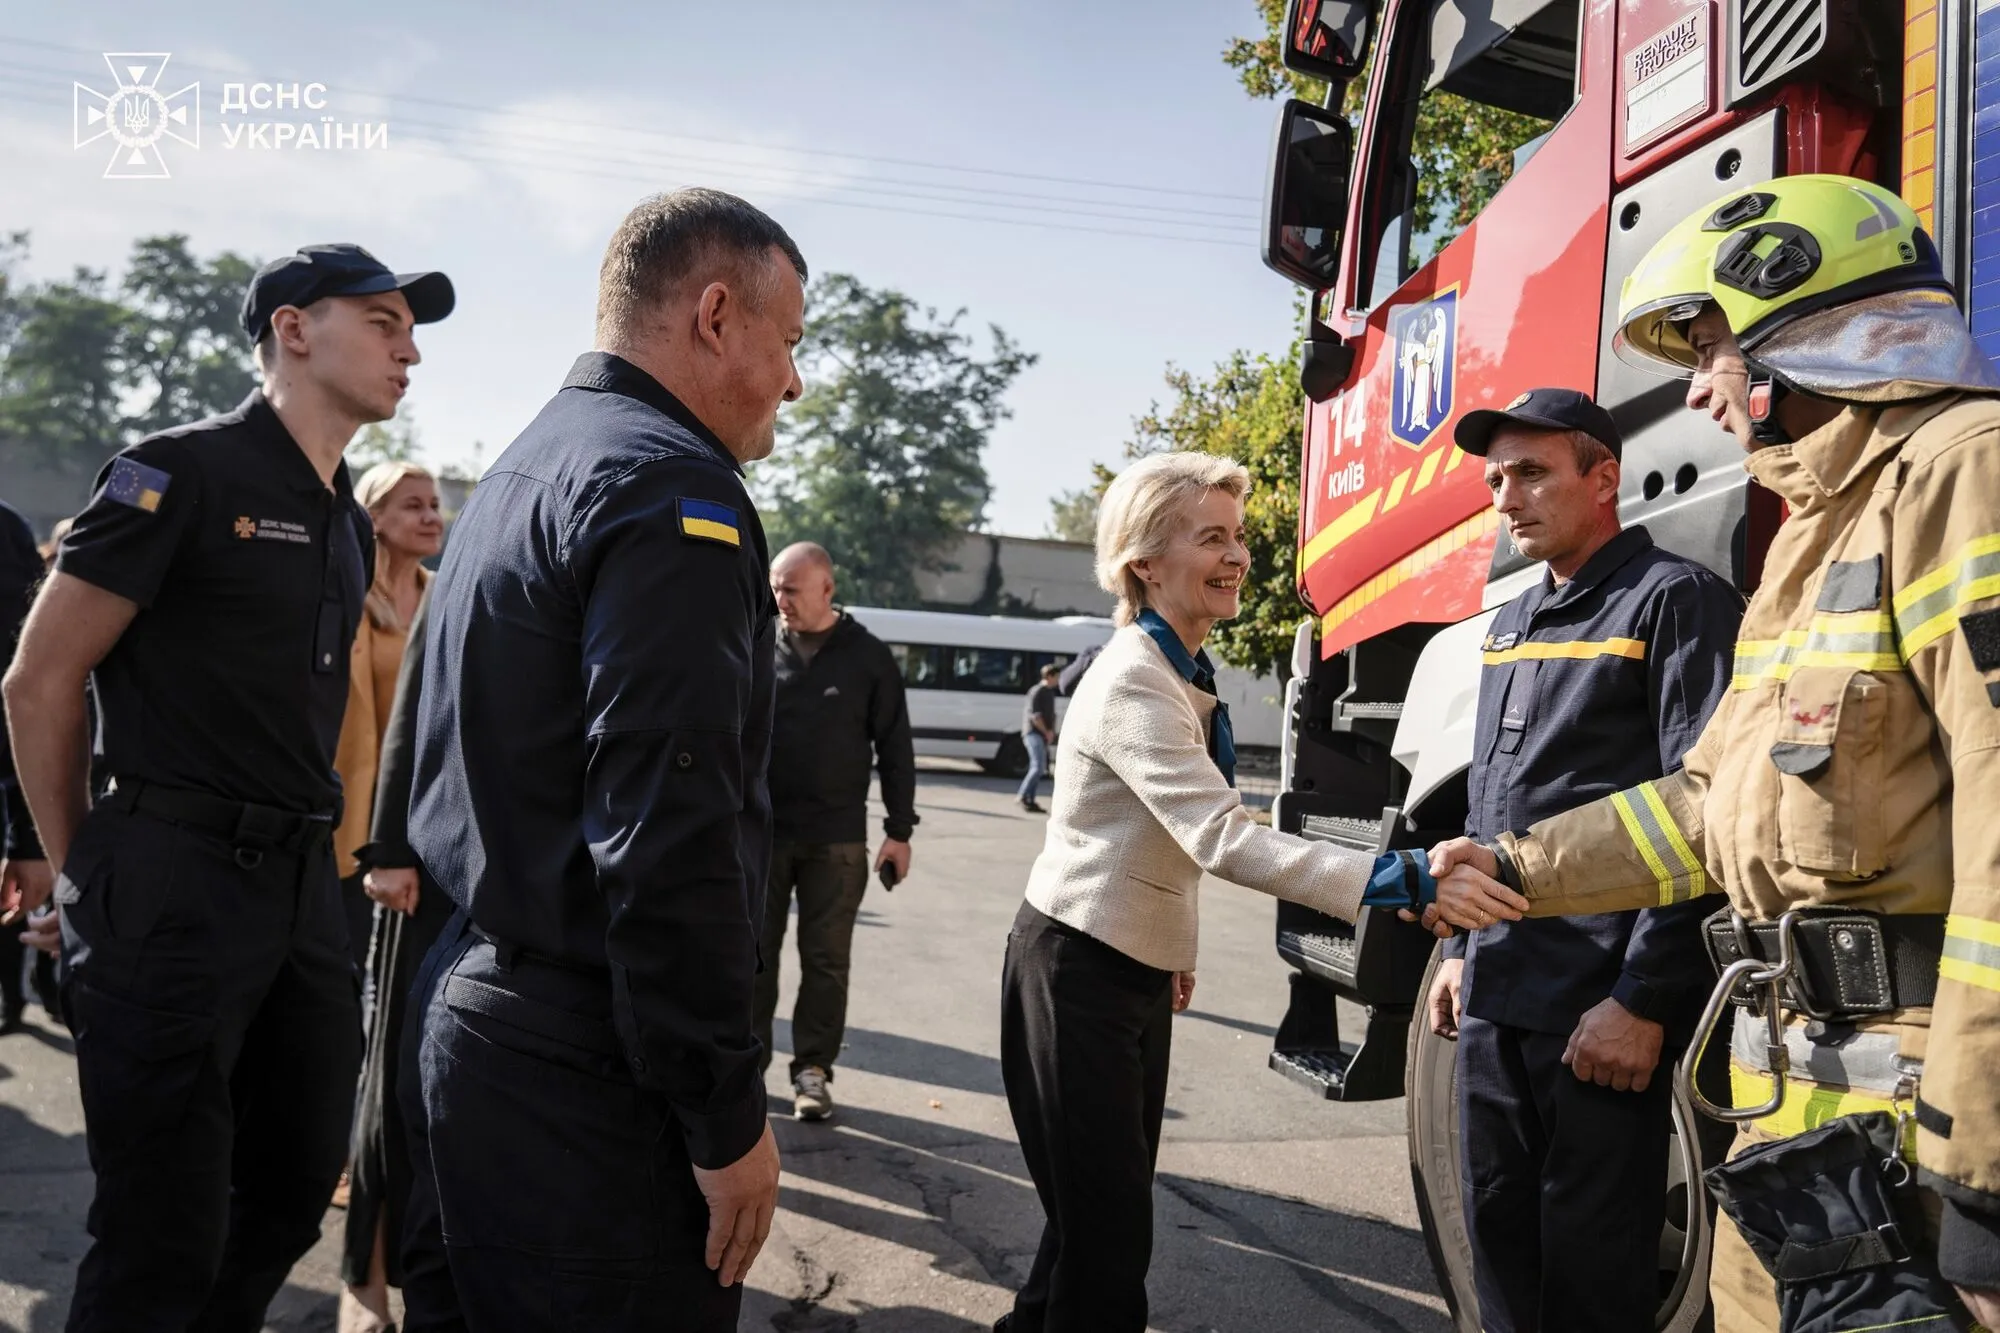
{"x": 1135, "y": 520}
{"x": 672, "y": 239}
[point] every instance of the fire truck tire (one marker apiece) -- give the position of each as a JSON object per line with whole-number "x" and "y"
{"x": 1432, "y": 1104}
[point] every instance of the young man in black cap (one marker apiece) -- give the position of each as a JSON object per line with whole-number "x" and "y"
{"x": 213, "y": 586}
{"x": 1597, "y": 678}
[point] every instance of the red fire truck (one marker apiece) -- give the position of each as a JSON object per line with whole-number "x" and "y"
{"x": 1630, "y": 114}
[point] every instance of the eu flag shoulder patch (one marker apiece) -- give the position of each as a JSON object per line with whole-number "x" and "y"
{"x": 133, "y": 483}
{"x": 707, "y": 521}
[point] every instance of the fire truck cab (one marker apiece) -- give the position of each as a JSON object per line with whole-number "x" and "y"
{"x": 1586, "y": 129}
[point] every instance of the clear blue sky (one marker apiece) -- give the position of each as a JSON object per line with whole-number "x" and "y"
{"x": 560, "y": 117}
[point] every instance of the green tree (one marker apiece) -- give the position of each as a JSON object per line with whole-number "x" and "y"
{"x": 85, "y": 369}
{"x": 1249, "y": 409}
{"x": 186, "y": 343}
{"x": 880, "y": 461}
{"x": 1073, "y": 514}
{"x": 392, "y": 441}
{"x": 1464, "y": 150}
{"x": 64, "y": 378}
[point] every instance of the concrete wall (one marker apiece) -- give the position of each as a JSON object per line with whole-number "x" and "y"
{"x": 1024, "y": 576}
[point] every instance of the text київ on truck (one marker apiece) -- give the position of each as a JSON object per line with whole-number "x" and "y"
{"x": 1623, "y": 117}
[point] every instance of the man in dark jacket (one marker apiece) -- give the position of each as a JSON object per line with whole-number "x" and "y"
{"x": 840, "y": 695}
{"x": 24, "y": 870}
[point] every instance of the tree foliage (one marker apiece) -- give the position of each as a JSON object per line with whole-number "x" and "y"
{"x": 1248, "y": 408}
{"x": 86, "y": 368}
{"x": 1073, "y": 514}
{"x": 1463, "y": 151}
{"x": 881, "y": 460}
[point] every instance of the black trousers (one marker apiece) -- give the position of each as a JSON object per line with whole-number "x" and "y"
{"x": 1087, "y": 1108}
{"x": 430, "y": 1300}
{"x": 565, "y": 1194}
{"x": 217, "y": 1038}
{"x": 1564, "y": 1184}
{"x": 378, "y": 1173}
{"x": 830, "y": 880}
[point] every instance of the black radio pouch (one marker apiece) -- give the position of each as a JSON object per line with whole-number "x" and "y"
{"x": 1830, "y": 1213}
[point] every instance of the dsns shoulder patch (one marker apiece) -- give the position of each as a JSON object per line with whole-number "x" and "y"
{"x": 705, "y": 520}
{"x": 133, "y": 483}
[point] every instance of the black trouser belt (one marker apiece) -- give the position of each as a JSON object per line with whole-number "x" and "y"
{"x": 244, "y": 825}
{"x": 1847, "y": 964}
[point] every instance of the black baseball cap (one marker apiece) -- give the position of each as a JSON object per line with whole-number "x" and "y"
{"x": 1551, "y": 409}
{"x": 319, "y": 271}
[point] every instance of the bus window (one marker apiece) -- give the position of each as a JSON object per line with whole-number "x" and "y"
{"x": 1474, "y": 86}
{"x": 990, "y": 670}
{"x": 920, "y": 663}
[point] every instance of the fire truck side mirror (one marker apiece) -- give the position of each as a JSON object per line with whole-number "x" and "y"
{"x": 1327, "y": 39}
{"x": 1325, "y": 363}
{"x": 1306, "y": 194}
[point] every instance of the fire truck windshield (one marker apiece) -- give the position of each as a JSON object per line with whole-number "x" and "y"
{"x": 1473, "y": 86}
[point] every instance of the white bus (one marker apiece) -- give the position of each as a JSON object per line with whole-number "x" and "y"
{"x": 968, "y": 677}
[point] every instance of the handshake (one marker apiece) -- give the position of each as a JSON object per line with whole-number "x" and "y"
{"x": 1463, "y": 891}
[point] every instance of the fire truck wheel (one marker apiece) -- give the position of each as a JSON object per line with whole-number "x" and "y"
{"x": 1434, "y": 1169}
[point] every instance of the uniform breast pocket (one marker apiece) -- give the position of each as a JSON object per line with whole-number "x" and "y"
{"x": 1828, "y": 754}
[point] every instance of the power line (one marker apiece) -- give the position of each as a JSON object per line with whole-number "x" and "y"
{"x": 736, "y": 143}
{"x": 793, "y": 183}
{"x": 771, "y": 173}
{"x": 899, "y": 210}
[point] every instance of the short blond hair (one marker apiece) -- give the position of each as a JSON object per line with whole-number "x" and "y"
{"x": 1135, "y": 520}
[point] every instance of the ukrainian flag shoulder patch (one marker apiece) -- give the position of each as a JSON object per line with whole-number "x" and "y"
{"x": 705, "y": 520}
{"x": 133, "y": 483}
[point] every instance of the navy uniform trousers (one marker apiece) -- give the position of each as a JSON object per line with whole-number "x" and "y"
{"x": 218, "y": 1034}
{"x": 564, "y": 1192}
{"x": 1564, "y": 1184}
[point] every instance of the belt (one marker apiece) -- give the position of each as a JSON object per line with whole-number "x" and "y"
{"x": 1830, "y": 964}
{"x": 1845, "y": 964}
{"x": 250, "y": 828}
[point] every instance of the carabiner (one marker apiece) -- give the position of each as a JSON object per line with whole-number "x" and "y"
{"x": 1748, "y": 972}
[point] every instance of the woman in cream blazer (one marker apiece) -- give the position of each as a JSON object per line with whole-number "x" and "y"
{"x": 1102, "y": 953}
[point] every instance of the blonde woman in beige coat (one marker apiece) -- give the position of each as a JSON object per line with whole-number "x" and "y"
{"x": 1102, "y": 953}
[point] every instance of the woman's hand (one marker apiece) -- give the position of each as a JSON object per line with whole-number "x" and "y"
{"x": 395, "y": 887}
{"x": 1183, "y": 990}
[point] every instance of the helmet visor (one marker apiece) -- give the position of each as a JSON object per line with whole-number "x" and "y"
{"x": 1654, "y": 337}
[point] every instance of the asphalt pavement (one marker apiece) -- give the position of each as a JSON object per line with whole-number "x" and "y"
{"x": 911, "y": 1211}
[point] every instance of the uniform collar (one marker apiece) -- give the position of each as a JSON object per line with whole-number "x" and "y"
{"x": 1844, "y": 450}
{"x": 268, "y": 429}
{"x": 1624, "y": 544}
{"x": 609, "y": 373}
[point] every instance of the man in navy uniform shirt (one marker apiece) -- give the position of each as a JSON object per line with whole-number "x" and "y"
{"x": 590, "y": 791}
{"x": 213, "y": 586}
{"x": 1598, "y": 677}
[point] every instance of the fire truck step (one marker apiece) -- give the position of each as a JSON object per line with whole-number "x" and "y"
{"x": 1360, "y": 833}
{"x": 1329, "y": 957}
{"x": 1323, "y": 1072}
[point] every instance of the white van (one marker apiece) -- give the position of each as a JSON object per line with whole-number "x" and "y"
{"x": 967, "y": 679}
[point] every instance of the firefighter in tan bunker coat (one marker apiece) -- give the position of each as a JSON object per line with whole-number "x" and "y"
{"x": 1846, "y": 793}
